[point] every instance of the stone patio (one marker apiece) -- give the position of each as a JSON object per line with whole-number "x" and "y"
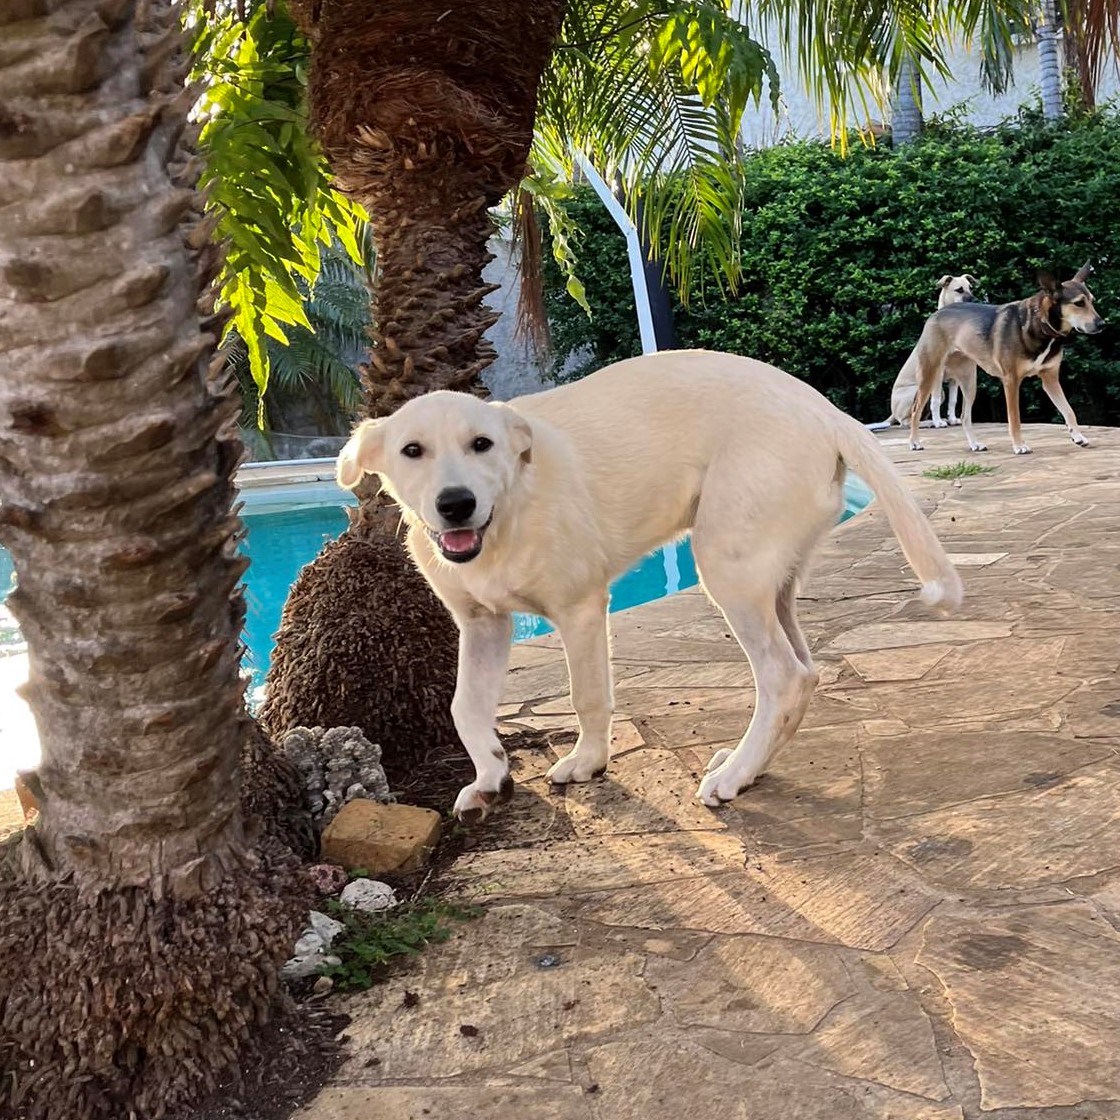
{"x": 914, "y": 916}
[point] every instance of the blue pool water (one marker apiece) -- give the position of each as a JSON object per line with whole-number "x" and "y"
{"x": 280, "y": 543}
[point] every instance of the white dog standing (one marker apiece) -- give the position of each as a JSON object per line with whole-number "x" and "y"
{"x": 951, "y": 289}
{"x": 537, "y": 505}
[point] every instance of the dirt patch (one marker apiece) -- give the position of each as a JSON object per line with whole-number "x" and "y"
{"x": 292, "y": 1059}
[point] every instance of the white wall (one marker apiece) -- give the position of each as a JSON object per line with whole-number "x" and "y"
{"x": 799, "y": 119}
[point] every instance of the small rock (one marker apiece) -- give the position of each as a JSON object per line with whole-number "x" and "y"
{"x": 368, "y": 895}
{"x": 328, "y": 878}
{"x": 332, "y": 961}
{"x": 468, "y": 1031}
{"x": 298, "y": 968}
{"x": 381, "y": 838}
{"x": 308, "y": 945}
{"x": 322, "y": 985}
{"x": 326, "y": 928}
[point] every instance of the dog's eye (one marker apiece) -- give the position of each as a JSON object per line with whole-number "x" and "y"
{"x": 1078, "y": 303}
{"x": 412, "y": 451}
{"x": 481, "y": 444}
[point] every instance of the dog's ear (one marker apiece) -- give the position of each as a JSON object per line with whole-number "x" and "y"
{"x": 1083, "y": 273}
{"x": 520, "y": 433}
{"x": 972, "y": 281}
{"x": 943, "y": 282}
{"x": 1048, "y": 283}
{"x": 362, "y": 454}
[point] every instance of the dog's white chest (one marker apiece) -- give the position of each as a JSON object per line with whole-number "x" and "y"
{"x": 1043, "y": 359}
{"x": 498, "y": 591}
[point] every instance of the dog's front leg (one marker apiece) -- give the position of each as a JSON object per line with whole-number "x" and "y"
{"x": 1053, "y": 389}
{"x": 484, "y": 643}
{"x": 951, "y": 407}
{"x": 1011, "y": 395}
{"x": 584, "y": 631}
{"x": 935, "y": 405}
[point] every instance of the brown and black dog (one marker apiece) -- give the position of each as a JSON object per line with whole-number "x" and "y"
{"x": 1010, "y": 341}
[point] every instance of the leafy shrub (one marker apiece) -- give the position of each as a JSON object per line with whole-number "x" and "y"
{"x": 840, "y": 257}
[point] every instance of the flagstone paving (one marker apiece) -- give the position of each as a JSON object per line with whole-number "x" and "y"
{"x": 913, "y": 916}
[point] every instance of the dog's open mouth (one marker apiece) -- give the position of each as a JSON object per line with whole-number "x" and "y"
{"x": 460, "y": 545}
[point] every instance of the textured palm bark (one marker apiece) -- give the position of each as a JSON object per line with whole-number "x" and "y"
{"x": 425, "y": 109}
{"x": 117, "y": 454}
{"x": 140, "y": 936}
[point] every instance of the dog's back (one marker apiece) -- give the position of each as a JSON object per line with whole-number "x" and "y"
{"x": 642, "y": 434}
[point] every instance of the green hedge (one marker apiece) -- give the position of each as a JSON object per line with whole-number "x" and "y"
{"x": 840, "y": 256}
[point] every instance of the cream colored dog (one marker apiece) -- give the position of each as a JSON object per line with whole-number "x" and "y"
{"x": 958, "y": 369}
{"x": 537, "y": 505}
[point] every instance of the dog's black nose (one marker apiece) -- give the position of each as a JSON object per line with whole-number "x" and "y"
{"x": 455, "y": 504}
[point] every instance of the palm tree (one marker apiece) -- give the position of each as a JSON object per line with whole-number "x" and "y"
{"x": 906, "y": 111}
{"x": 1092, "y": 37}
{"x": 425, "y": 111}
{"x": 1050, "y": 70}
{"x": 140, "y": 935}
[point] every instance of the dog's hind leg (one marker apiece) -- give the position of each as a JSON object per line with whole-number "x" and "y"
{"x": 751, "y": 576}
{"x": 484, "y": 644}
{"x": 584, "y": 631}
{"x": 916, "y": 415}
{"x": 1053, "y": 389}
{"x": 787, "y": 617}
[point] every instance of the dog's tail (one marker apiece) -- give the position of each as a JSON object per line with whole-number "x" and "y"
{"x": 941, "y": 586}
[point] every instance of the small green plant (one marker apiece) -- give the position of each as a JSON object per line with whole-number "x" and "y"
{"x": 369, "y": 942}
{"x": 957, "y": 470}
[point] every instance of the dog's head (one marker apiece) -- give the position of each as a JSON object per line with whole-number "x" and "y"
{"x": 956, "y": 289}
{"x": 447, "y": 459}
{"x": 1067, "y": 305}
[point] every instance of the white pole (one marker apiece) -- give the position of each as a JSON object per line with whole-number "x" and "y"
{"x": 633, "y": 248}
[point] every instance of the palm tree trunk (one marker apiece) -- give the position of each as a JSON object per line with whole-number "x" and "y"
{"x": 425, "y": 109}
{"x": 906, "y": 114}
{"x": 1050, "y": 70}
{"x": 117, "y": 454}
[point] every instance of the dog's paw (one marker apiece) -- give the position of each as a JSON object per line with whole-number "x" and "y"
{"x": 916, "y": 445}
{"x": 1079, "y": 439}
{"x": 1021, "y": 449}
{"x": 719, "y": 758}
{"x": 975, "y": 446}
{"x": 939, "y": 423}
{"x": 579, "y": 766}
{"x": 954, "y": 422}
{"x": 473, "y": 805}
{"x": 720, "y": 786}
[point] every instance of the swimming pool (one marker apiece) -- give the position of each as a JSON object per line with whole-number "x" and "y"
{"x": 279, "y": 542}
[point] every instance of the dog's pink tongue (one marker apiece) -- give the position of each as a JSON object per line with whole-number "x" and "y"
{"x": 459, "y": 540}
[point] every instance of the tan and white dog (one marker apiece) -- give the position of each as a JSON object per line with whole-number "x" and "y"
{"x": 537, "y": 505}
{"x": 951, "y": 290}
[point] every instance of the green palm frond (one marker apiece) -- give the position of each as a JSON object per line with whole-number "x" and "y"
{"x": 266, "y": 184}
{"x": 652, "y": 92}
{"x": 318, "y": 360}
